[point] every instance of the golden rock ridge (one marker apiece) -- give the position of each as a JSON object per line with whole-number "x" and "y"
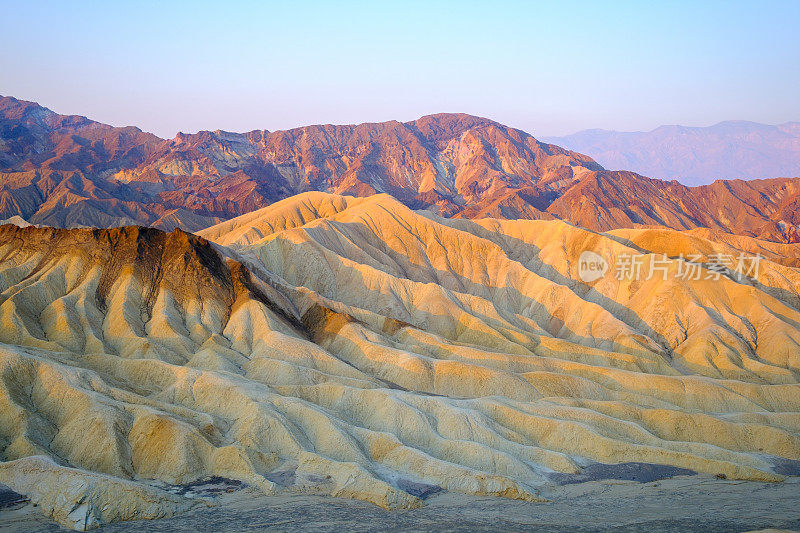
{"x": 356, "y": 344}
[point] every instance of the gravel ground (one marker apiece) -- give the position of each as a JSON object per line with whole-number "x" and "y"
{"x": 683, "y": 503}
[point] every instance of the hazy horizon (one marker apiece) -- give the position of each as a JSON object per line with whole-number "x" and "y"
{"x": 542, "y": 136}
{"x": 549, "y": 70}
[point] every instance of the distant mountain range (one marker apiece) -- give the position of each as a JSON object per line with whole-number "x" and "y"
{"x": 696, "y": 156}
{"x": 69, "y": 171}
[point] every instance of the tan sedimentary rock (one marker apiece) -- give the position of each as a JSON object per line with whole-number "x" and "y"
{"x": 350, "y": 344}
{"x": 84, "y": 500}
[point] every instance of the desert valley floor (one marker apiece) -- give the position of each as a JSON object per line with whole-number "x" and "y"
{"x": 352, "y": 347}
{"x": 671, "y": 505}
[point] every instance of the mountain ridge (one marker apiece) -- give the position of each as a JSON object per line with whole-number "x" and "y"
{"x": 69, "y": 171}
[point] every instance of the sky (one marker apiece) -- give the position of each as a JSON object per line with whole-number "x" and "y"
{"x": 549, "y": 68}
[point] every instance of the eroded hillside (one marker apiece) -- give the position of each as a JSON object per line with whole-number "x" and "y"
{"x": 351, "y": 346}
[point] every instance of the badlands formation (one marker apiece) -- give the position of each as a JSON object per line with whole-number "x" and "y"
{"x": 356, "y": 348}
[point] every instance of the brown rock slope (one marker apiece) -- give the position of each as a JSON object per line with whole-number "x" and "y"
{"x": 353, "y": 347}
{"x": 70, "y": 171}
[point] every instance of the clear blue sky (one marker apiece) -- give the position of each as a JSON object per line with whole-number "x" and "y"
{"x": 549, "y": 68}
